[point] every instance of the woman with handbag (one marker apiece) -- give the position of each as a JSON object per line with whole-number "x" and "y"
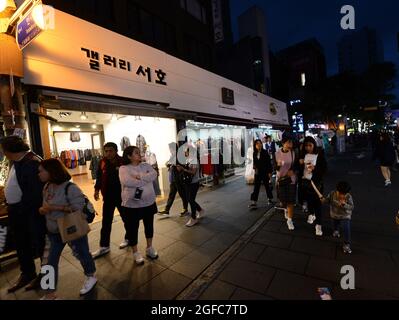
{"x": 286, "y": 178}
{"x": 138, "y": 200}
{"x": 313, "y": 165}
{"x": 58, "y": 201}
{"x": 190, "y": 177}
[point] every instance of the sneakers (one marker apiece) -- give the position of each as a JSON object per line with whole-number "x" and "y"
{"x": 124, "y": 244}
{"x": 163, "y": 213}
{"x": 336, "y": 234}
{"x": 347, "y": 249}
{"x": 290, "y": 224}
{"x": 388, "y": 183}
{"x": 88, "y": 285}
{"x": 253, "y": 205}
{"x": 101, "y": 252}
{"x": 138, "y": 258}
{"x": 151, "y": 253}
{"x": 200, "y": 214}
{"x": 191, "y": 222}
{"x": 183, "y": 213}
{"x": 319, "y": 232}
{"x": 311, "y": 218}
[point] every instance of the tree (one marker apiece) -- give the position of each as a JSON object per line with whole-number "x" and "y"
{"x": 349, "y": 94}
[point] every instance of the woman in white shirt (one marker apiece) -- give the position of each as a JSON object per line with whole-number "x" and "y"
{"x": 138, "y": 200}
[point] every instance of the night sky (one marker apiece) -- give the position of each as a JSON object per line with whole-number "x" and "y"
{"x": 291, "y": 21}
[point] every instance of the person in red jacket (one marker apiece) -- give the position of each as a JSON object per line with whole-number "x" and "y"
{"x": 110, "y": 186}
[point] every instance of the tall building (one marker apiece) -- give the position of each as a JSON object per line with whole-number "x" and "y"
{"x": 247, "y": 61}
{"x": 182, "y": 28}
{"x": 306, "y": 66}
{"x": 359, "y": 50}
{"x": 252, "y": 24}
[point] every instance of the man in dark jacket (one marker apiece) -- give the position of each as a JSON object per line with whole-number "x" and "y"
{"x": 23, "y": 192}
{"x": 263, "y": 172}
{"x": 176, "y": 185}
{"x": 110, "y": 186}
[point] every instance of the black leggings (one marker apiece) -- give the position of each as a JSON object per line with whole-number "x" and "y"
{"x": 314, "y": 205}
{"x": 132, "y": 222}
{"x": 191, "y": 194}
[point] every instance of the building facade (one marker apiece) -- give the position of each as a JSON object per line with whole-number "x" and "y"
{"x": 359, "y": 50}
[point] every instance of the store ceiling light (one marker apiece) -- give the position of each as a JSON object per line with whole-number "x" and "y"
{"x": 83, "y": 116}
{"x": 94, "y": 126}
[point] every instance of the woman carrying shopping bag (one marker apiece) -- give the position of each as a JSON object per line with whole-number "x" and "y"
{"x": 60, "y": 198}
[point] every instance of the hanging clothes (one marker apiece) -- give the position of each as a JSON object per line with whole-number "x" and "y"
{"x": 141, "y": 143}
{"x": 125, "y": 142}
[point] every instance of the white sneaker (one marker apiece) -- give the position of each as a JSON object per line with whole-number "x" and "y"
{"x": 253, "y": 205}
{"x": 286, "y": 214}
{"x": 336, "y": 234}
{"x": 101, "y": 252}
{"x": 151, "y": 253}
{"x": 290, "y": 224}
{"x": 88, "y": 285}
{"x": 388, "y": 183}
{"x": 347, "y": 249}
{"x": 191, "y": 222}
{"x": 124, "y": 244}
{"x": 138, "y": 258}
{"x": 311, "y": 218}
{"x": 319, "y": 232}
{"x": 200, "y": 214}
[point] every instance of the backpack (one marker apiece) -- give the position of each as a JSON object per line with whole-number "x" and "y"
{"x": 88, "y": 208}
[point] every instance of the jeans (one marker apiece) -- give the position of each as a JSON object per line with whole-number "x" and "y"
{"x": 176, "y": 187}
{"x": 346, "y": 226}
{"x": 191, "y": 194}
{"x": 29, "y": 229}
{"x": 80, "y": 249}
{"x": 259, "y": 180}
{"x": 109, "y": 207}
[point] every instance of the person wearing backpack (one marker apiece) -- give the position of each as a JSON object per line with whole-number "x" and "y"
{"x": 60, "y": 196}
{"x": 23, "y": 193}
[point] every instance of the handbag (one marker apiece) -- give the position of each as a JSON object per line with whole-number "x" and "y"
{"x": 88, "y": 208}
{"x": 73, "y": 226}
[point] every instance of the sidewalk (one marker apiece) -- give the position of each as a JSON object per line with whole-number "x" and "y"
{"x": 279, "y": 264}
{"x": 274, "y": 264}
{"x": 184, "y": 252}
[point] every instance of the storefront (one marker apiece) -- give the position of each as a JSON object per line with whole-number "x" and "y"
{"x": 86, "y": 85}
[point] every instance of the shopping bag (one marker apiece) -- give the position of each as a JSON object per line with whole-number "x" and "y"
{"x": 73, "y": 226}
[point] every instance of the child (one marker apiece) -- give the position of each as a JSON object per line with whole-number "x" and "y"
{"x": 341, "y": 207}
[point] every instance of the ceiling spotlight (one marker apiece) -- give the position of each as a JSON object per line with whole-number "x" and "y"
{"x": 65, "y": 114}
{"x": 83, "y": 116}
{"x": 94, "y": 126}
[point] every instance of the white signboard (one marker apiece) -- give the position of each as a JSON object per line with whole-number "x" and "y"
{"x": 80, "y": 56}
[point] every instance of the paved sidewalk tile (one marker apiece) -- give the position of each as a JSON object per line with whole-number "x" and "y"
{"x": 284, "y": 259}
